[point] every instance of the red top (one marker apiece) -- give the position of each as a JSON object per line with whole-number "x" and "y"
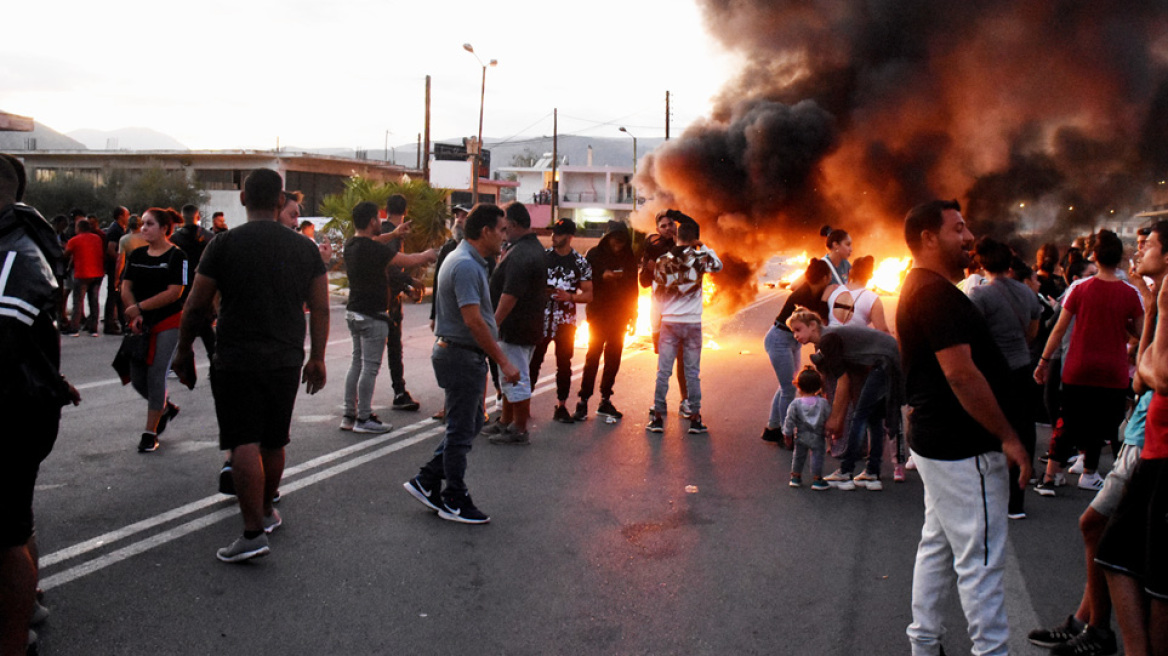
{"x": 1156, "y": 429}
{"x": 88, "y": 253}
{"x": 1097, "y": 355}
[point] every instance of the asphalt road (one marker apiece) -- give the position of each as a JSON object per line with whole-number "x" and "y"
{"x": 604, "y": 539}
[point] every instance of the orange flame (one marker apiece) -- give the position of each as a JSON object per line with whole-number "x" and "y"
{"x": 889, "y": 274}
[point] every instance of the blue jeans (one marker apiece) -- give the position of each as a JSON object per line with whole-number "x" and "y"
{"x": 686, "y": 338}
{"x": 784, "y": 352}
{"x": 462, "y": 374}
{"x": 368, "y": 341}
{"x": 868, "y": 419}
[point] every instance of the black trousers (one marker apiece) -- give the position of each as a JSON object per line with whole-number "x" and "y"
{"x": 393, "y": 352}
{"x": 565, "y": 341}
{"x": 605, "y": 338}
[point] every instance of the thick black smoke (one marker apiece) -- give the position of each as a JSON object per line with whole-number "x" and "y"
{"x": 1040, "y": 115}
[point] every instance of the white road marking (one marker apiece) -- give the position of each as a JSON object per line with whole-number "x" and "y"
{"x": 420, "y": 430}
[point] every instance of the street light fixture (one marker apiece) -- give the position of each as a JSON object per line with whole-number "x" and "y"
{"x": 482, "y": 99}
{"x": 634, "y": 186}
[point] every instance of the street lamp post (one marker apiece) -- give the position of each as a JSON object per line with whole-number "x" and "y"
{"x": 634, "y": 186}
{"x": 482, "y": 100}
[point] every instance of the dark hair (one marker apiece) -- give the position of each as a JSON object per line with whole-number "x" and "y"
{"x": 1075, "y": 269}
{"x": 1047, "y": 258}
{"x": 262, "y": 189}
{"x": 363, "y": 214}
{"x": 993, "y": 255}
{"x": 59, "y": 221}
{"x": 133, "y": 222}
{"x": 77, "y": 211}
{"x": 165, "y": 216}
{"x": 835, "y": 236}
{"x": 809, "y": 381}
{"x": 1161, "y": 230}
{"x": 216, "y": 215}
{"x": 304, "y": 224}
{"x": 188, "y": 212}
{"x": 1020, "y": 270}
{"x": 396, "y": 205}
{"x": 83, "y": 226}
{"x": 516, "y": 213}
{"x": 1108, "y": 249}
{"x": 688, "y": 231}
{"x": 862, "y": 269}
{"x": 13, "y": 176}
{"x": 483, "y": 215}
{"x": 816, "y": 271}
{"x": 293, "y": 197}
{"x": 926, "y": 216}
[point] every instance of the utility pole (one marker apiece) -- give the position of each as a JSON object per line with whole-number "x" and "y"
{"x": 425, "y": 157}
{"x": 555, "y": 162}
{"x": 667, "y": 116}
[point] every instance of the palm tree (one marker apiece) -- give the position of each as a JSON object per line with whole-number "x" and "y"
{"x": 427, "y": 208}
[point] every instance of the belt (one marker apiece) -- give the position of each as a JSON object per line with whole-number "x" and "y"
{"x": 444, "y": 343}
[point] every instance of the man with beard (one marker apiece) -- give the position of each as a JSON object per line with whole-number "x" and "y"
{"x": 569, "y": 281}
{"x": 958, "y": 434}
{"x": 613, "y": 308}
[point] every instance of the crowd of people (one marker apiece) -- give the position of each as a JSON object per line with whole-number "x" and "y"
{"x": 1071, "y": 342}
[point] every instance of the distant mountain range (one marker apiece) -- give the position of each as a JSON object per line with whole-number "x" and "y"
{"x": 606, "y": 151}
{"x": 126, "y": 139}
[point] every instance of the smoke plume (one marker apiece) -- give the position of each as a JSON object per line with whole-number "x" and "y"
{"x": 1041, "y": 115}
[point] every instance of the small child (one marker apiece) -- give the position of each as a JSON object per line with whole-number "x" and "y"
{"x": 806, "y": 418}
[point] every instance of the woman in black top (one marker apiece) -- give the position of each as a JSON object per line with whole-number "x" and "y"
{"x": 154, "y": 286}
{"x": 781, "y": 346}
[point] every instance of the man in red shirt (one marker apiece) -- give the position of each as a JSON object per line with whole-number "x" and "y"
{"x": 87, "y": 250}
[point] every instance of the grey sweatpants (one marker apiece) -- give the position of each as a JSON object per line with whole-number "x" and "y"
{"x": 963, "y": 541}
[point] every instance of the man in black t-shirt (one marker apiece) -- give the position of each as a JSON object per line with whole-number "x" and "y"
{"x": 192, "y": 239}
{"x": 115, "y": 313}
{"x": 264, "y": 274}
{"x": 958, "y": 434}
{"x": 518, "y": 293}
{"x": 369, "y": 257}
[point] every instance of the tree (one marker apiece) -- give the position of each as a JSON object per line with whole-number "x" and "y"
{"x": 138, "y": 191}
{"x": 427, "y": 208}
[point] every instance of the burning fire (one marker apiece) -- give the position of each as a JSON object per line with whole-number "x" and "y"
{"x": 643, "y": 327}
{"x": 889, "y": 274}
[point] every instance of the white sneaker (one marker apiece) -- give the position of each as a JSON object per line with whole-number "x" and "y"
{"x": 347, "y": 422}
{"x": 837, "y": 476}
{"x": 685, "y": 411}
{"x": 1077, "y": 467}
{"x": 865, "y": 476}
{"x": 1091, "y": 481}
{"x": 846, "y": 486}
{"x": 873, "y": 485}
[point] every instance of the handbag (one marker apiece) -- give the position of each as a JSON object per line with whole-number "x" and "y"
{"x": 134, "y": 350}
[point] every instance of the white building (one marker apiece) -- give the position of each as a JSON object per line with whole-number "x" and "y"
{"x": 589, "y": 195}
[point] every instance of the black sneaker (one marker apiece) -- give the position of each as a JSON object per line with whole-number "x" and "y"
{"x": 148, "y": 443}
{"x": 461, "y": 509}
{"x": 226, "y": 480}
{"x": 695, "y": 424}
{"x": 607, "y": 409}
{"x": 774, "y": 435}
{"x": 561, "y": 415}
{"x": 170, "y": 411}
{"x": 427, "y": 494}
{"x": 581, "y": 411}
{"x": 1063, "y": 633}
{"x": 405, "y": 402}
{"x": 1091, "y": 642}
{"x": 656, "y": 423}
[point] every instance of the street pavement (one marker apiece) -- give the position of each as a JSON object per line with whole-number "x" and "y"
{"x": 604, "y": 539}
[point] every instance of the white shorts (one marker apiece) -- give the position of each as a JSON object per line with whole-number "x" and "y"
{"x": 520, "y": 356}
{"x": 1107, "y": 499}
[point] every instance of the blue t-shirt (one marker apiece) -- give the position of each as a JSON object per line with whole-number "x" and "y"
{"x": 1133, "y": 435}
{"x": 462, "y": 281}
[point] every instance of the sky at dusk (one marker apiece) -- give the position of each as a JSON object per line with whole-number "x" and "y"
{"x": 240, "y": 74}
